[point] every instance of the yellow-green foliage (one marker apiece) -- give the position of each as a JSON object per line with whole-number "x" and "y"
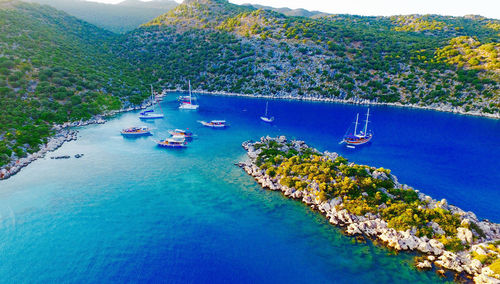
{"x": 470, "y": 53}
{"x": 453, "y": 244}
{"x": 403, "y": 216}
{"x": 494, "y": 248}
{"x": 248, "y": 24}
{"x": 359, "y": 206}
{"x": 493, "y": 25}
{"x": 360, "y": 192}
{"x": 483, "y": 258}
{"x": 416, "y": 23}
{"x": 495, "y": 266}
{"x": 492, "y": 256}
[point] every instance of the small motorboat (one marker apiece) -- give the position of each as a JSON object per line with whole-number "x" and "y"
{"x": 181, "y": 132}
{"x": 173, "y": 142}
{"x": 136, "y": 131}
{"x": 215, "y": 123}
{"x": 266, "y": 118}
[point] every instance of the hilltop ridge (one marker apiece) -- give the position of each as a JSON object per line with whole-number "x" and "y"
{"x": 299, "y": 12}
{"x": 119, "y": 18}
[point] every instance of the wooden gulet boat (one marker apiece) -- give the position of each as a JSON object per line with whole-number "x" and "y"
{"x": 173, "y": 142}
{"x": 215, "y": 124}
{"x": 136, "y": 131}
{"x": 355, "y": 138}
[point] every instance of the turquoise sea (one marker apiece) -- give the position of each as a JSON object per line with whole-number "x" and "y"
{"x": 128, "y": 211}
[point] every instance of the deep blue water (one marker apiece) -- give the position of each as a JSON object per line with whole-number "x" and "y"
{"x": 131, "y": 212}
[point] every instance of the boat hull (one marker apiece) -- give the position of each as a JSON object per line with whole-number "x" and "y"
{"x": 359, "y": 141}
{"x": 189, "y": 106}
{"x": 213, "y": 125}
{"x": 163, "y": 145}
{"x": 136, "y": 134}
{"x": 267, "y": 119}
{"x": 185, "y": 134}
{"x": 155, "y": 116}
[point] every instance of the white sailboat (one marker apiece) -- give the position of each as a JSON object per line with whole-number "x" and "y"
{"x": 189, "y": 103}
{"x": 151, "y": 114}
{"x": 266, "y": 118}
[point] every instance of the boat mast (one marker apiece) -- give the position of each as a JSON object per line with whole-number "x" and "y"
{"x": 366, "y": 124}
{"x": 189, "y": 83}
{"x": 266, "y": 109}
{"x": 152, "y": 97}
{"x": 356, "y": 125}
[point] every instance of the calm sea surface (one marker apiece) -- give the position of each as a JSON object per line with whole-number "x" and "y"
{"x": 128, "y": 211}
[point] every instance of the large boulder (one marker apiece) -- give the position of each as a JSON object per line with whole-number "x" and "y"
{"x": 335, "y": 201}
{"x": 330, "y": 155}
{"x": 465, "y": 235}
{"x": 443, "y": 204}
{"x": 450, "y": 261}
{"x": 424, "y": 264}
{"x": 424, "y": 247}
{"x": 437, "y": 229}
{"x": 436, "y": 247}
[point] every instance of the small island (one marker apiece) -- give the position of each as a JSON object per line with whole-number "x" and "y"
{"x": 371, "y": 203}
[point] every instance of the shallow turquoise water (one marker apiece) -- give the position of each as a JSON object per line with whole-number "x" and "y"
{"x": 131, "y": 212}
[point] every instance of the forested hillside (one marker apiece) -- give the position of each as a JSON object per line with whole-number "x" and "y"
{"x": 422, "y": 60}
{"x": 54, "y": 68}
{"x": 119, "y": 18}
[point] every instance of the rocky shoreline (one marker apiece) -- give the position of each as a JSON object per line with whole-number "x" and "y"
{"x": 373, "y": 227}
{"x": 442, "y": 108}
{"x": 63, "y": 134}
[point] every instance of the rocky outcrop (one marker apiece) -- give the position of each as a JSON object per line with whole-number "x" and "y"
{"x": 63, "y": 134}
{"x": 374, "y": 227}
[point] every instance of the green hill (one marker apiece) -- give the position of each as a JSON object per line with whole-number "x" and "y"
{"x": 119, "y": 18}
{"x": 54, "y": 68}
{"x": 220, "y": 46}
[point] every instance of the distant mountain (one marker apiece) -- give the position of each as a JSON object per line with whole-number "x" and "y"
{"x": 118, "y": 18}
{"x": 291, "y": 12}
{"x": 441, "y": 62}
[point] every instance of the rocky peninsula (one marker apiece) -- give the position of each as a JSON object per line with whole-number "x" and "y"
{"x": 369, "y": 202}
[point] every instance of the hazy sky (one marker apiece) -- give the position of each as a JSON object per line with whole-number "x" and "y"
{"x": 487, "y": 8}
